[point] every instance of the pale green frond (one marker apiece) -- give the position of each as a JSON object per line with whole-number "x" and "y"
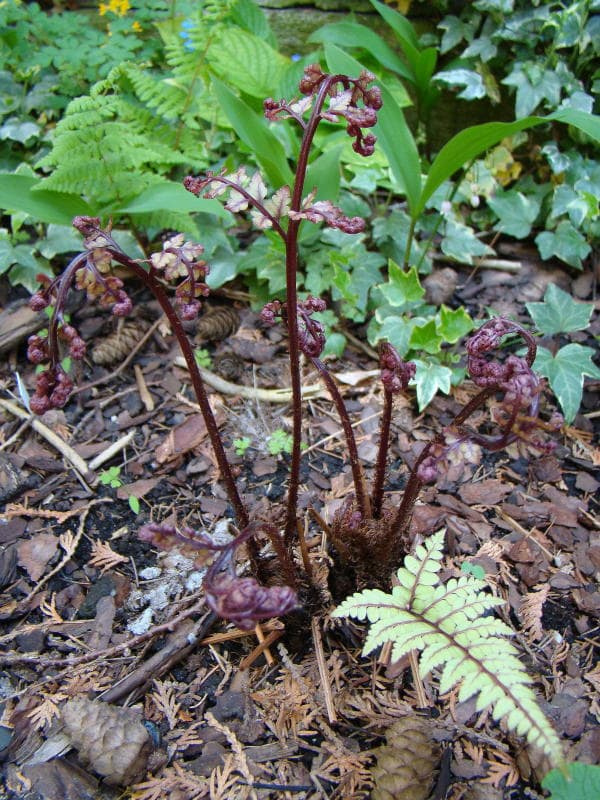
{"x": 450, "y": 624}
{"x": 361, "y": 603}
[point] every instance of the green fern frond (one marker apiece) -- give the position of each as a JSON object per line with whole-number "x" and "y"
{"x": 446, "y": 623}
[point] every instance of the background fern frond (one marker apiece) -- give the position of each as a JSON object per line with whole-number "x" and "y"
{"x": 445, "y": 623}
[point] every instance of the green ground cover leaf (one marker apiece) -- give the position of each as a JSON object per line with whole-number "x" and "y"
{"x": 516, "y": 211}
{"x": 566, "y": 243}
{"x": 565, "y": 372}
{"x": 559, "y": 312}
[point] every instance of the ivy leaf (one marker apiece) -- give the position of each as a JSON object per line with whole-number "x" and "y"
{"x": 516, "y": 212}
{"x": 565, "y": 243}
{"x": 426, "y": 337}
{"x": 396, "y": 330}
{"x": 565, "y": 372}
{"x": 430, "y": 377}
{"x": 461, "y": 244}
{"x": 402, "y": 287}
{"x": 471, "y": 80}
{"x": 533, "y": 84}
{"x": 453, "y": 325}
{"x": 559, "y": 313}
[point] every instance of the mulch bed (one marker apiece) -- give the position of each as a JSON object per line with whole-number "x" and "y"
{"x": 291, "y": 710}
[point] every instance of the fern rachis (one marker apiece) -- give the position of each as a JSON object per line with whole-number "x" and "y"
{"x": 445, "y": 623}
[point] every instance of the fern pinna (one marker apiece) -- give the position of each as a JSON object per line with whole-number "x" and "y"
{"x": 448, "y": 624}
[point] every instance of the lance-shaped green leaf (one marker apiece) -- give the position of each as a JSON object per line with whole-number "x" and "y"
{"x": 449, "y": 624}
{"x": 254, "y": 131}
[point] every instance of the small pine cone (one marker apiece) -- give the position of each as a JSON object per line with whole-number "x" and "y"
{"x": 109, "y": 739}
{"x": 118, "y": 345}
{"x": 228, "y": 366}
{"x": 406, "y": 765}
{"x": 217, "y": 323}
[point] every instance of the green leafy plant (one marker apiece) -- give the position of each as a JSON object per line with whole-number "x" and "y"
{"x": 279, "y": 442}
{"x": 450, "y": 625}
{"x": 111, "y": 477}
{"x": 564, "y": 367}
{"x": 574, "y": 782}
{"x": 370, "y": 533}
{"x": 241, "y": 445}
{"x": 202, "y": 357}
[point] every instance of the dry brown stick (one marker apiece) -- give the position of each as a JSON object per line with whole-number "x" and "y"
{"x": 144, "y": 393}
{"x": 258, "y": 631}
{"x": 323, "y": 672}
{"x": 38, "y": 426}
{"x": 178, "y": 645}
{"x": 251, "y": 392}
{"x": 263, "y": 647}
{"x": 110, "y": 652}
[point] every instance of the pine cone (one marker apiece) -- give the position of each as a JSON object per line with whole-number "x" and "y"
{"x": 217, "y": 323}
{"x": 228, "y": 366}
{"x": 109, "y": 739}
{"x": 406, "y": 765}
{"x": 118, "y": 345}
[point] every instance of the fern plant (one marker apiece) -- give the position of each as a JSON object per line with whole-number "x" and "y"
{"x": 448, "y": 623}
{"x": 128, "y": 136}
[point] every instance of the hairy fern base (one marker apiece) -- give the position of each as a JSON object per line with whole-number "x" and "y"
{"x": 446, "y": 623}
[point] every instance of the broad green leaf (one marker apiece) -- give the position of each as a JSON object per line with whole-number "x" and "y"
{"x": 60, "y": 239}
{"x": 19, "y": 193}
{"x": 461, "y": 244}
{"x": 255, "y": 133}
{"x": 454, "y": 324}
{"x": 402, "y": 28}
{"x": 335, "y": 345}
{"x": 393, "y": 329}
{"x": 577, "y": 782}
{"x": 248, "y": 15}
{"x": 468, "y": 144}
{"x": 430, "y": 377}
{"x": 426, "y": 338}
{"x": 19, "y": 130}
{"x": 247, "y": 62}
{"x": 471, "y": 80}
{"x": 392, "y": 132}
{"x": 7, "y": 255}
{"x": 171, "y": 196}
{"x": 324, "y": 175}
{"x": 402, "y": 287}
{"x": 352, "y": 34}
{"x": 27, "y": 267}
{"x": 533, "y": 84}
{"x": 517, "y": 212}
{"x": 565, "y": 243}
{"x": 565, "y": 372}
{"x": 559, "y": 312}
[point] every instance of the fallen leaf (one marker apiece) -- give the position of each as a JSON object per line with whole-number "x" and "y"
{"x": 184, "y": 437}
{"x": 35, "y": 553}
{"x": 489, "y": 492}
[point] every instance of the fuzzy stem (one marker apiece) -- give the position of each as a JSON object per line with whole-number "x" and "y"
{"x": 362, "y": 498}
{"x": 382, "y": 453}
{"x": 291, "y": 270}
{"x": 159, "y": 293}
{"x": 399, "y": 526}
{"x": 64, "y": 286}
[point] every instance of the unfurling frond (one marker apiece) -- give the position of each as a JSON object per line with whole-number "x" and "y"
{"x": 448, "y": 624}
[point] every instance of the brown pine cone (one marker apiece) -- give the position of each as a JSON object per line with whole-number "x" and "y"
{"x": 118, "y": 345}
{"x": 407, "y": 764}
{"x": 217, "y": 323}
{"x": 109, "y": 739}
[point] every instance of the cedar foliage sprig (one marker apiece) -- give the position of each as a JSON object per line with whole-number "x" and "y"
{"x": 446, "y": 623}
